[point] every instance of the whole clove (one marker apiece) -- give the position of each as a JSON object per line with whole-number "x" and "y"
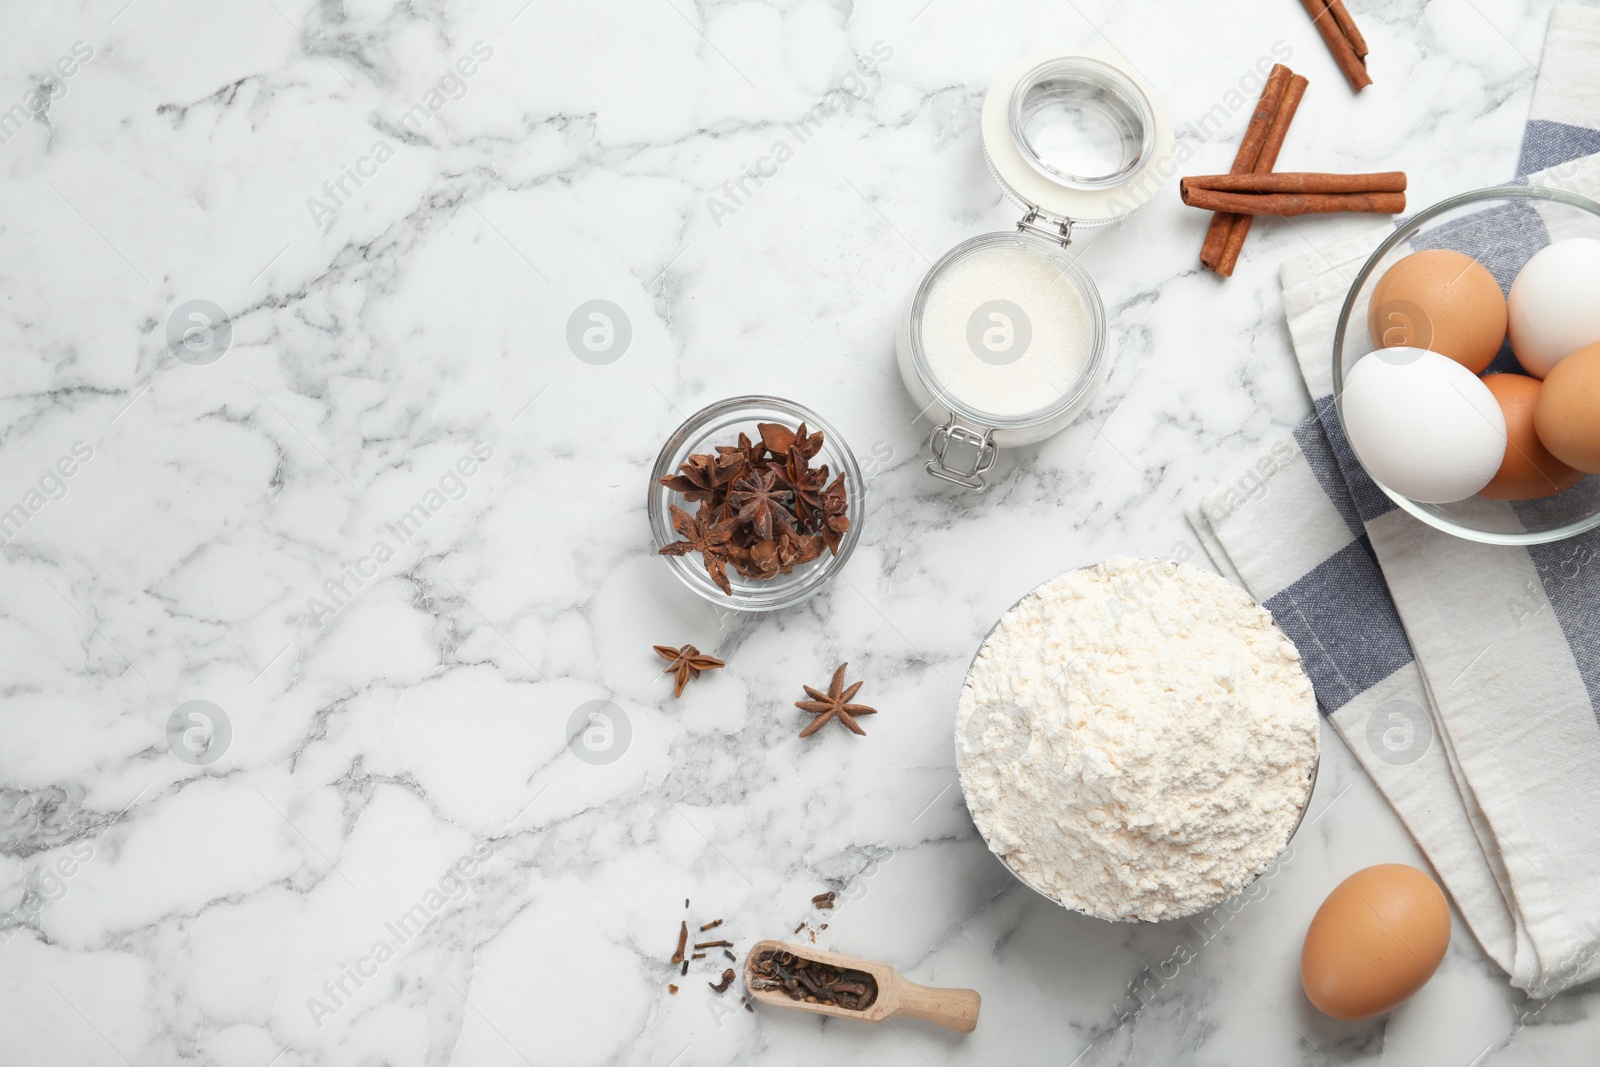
{"x": 714, "y": 944}
{"x": 712, "y": 925}
{"x": 812, "y": 981}
{"x": 722, "y": 986}
{"x": 728, "y": 952}
{"x": 683, "y": 942}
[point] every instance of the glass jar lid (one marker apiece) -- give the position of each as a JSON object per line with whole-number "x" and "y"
{"x": 1082, "y": 123}
{"x": 1079, "y": 138}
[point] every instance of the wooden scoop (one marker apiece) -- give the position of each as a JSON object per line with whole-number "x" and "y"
{"x": 897, "y": 996}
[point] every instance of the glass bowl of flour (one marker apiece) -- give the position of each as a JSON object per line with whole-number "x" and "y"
{"x": 1137, "y": 740}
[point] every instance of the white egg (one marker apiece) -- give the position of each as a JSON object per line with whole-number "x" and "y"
{"x": 1423, "y": 425}
{"x": 1555, "y": 304}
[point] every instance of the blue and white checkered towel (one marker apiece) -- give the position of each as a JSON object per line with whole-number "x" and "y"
{"x": 1465, "y": 677}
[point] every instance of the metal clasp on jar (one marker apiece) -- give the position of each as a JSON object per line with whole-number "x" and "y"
{"x": 1038, "y": 223}
{"x": 961, "y": 454}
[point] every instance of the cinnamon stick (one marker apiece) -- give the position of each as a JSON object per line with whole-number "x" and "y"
{"x": 1255, "y": 136}
{"x": 1332, "y": 20}
{"x": 1288, "y": 205}
{"x": 1347, "y": 26}
{"x": 1292, "y": 95}
{"x": 1392, "y": 181}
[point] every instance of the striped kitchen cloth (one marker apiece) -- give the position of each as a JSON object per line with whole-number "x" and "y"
{"x": 1464, "y": 677}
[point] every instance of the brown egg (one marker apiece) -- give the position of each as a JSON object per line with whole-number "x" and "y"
{"x": 1529, "y": 471}
{"x": 1375, "y": 941}
{"x": 1568, "y": 412}
{"x": 1444, "y": 301}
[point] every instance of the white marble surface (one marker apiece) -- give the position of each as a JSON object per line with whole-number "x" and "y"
{"x": 153, "y": 911}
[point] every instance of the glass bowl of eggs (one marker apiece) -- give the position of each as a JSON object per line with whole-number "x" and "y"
{"x": 1466, "y": 365}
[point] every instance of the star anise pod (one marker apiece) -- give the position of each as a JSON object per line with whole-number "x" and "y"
{"x": 735, "y": 461}
{"x": 835, "y": 703}
{"x": 795, "y": 549}
{"x": 686, "y": 663}
{"x": 738, "y": 556}
{"x": 835, "y": 515}
{"x": 806, "y": 484}
{"x": 779, "y": 439}
{"x": 762, "y": 504}
{"x": 705, "y": 535}
{"x": 696, "y": 478}
{"x": 764, "y": 559}
{"x": 776, "y": 437}
{"x": 809, "y": 444}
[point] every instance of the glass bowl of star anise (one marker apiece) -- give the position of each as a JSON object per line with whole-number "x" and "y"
{"x": 756, "y": 503}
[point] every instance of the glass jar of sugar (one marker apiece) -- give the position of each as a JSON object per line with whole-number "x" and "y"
{"x": 1004, "y": 341}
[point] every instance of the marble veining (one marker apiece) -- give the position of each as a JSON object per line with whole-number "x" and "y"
{"x": 387, "y": 527}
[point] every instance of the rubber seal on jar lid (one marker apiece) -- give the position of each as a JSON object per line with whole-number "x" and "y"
{"x": 1078, "y": 135}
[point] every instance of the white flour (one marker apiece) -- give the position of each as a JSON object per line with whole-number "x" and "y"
{"x": 1136, "y": 739}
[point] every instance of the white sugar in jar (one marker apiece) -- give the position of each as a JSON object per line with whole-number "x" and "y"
{"x": 1005, "y": 330}
{"x": 1004, "y": 341}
